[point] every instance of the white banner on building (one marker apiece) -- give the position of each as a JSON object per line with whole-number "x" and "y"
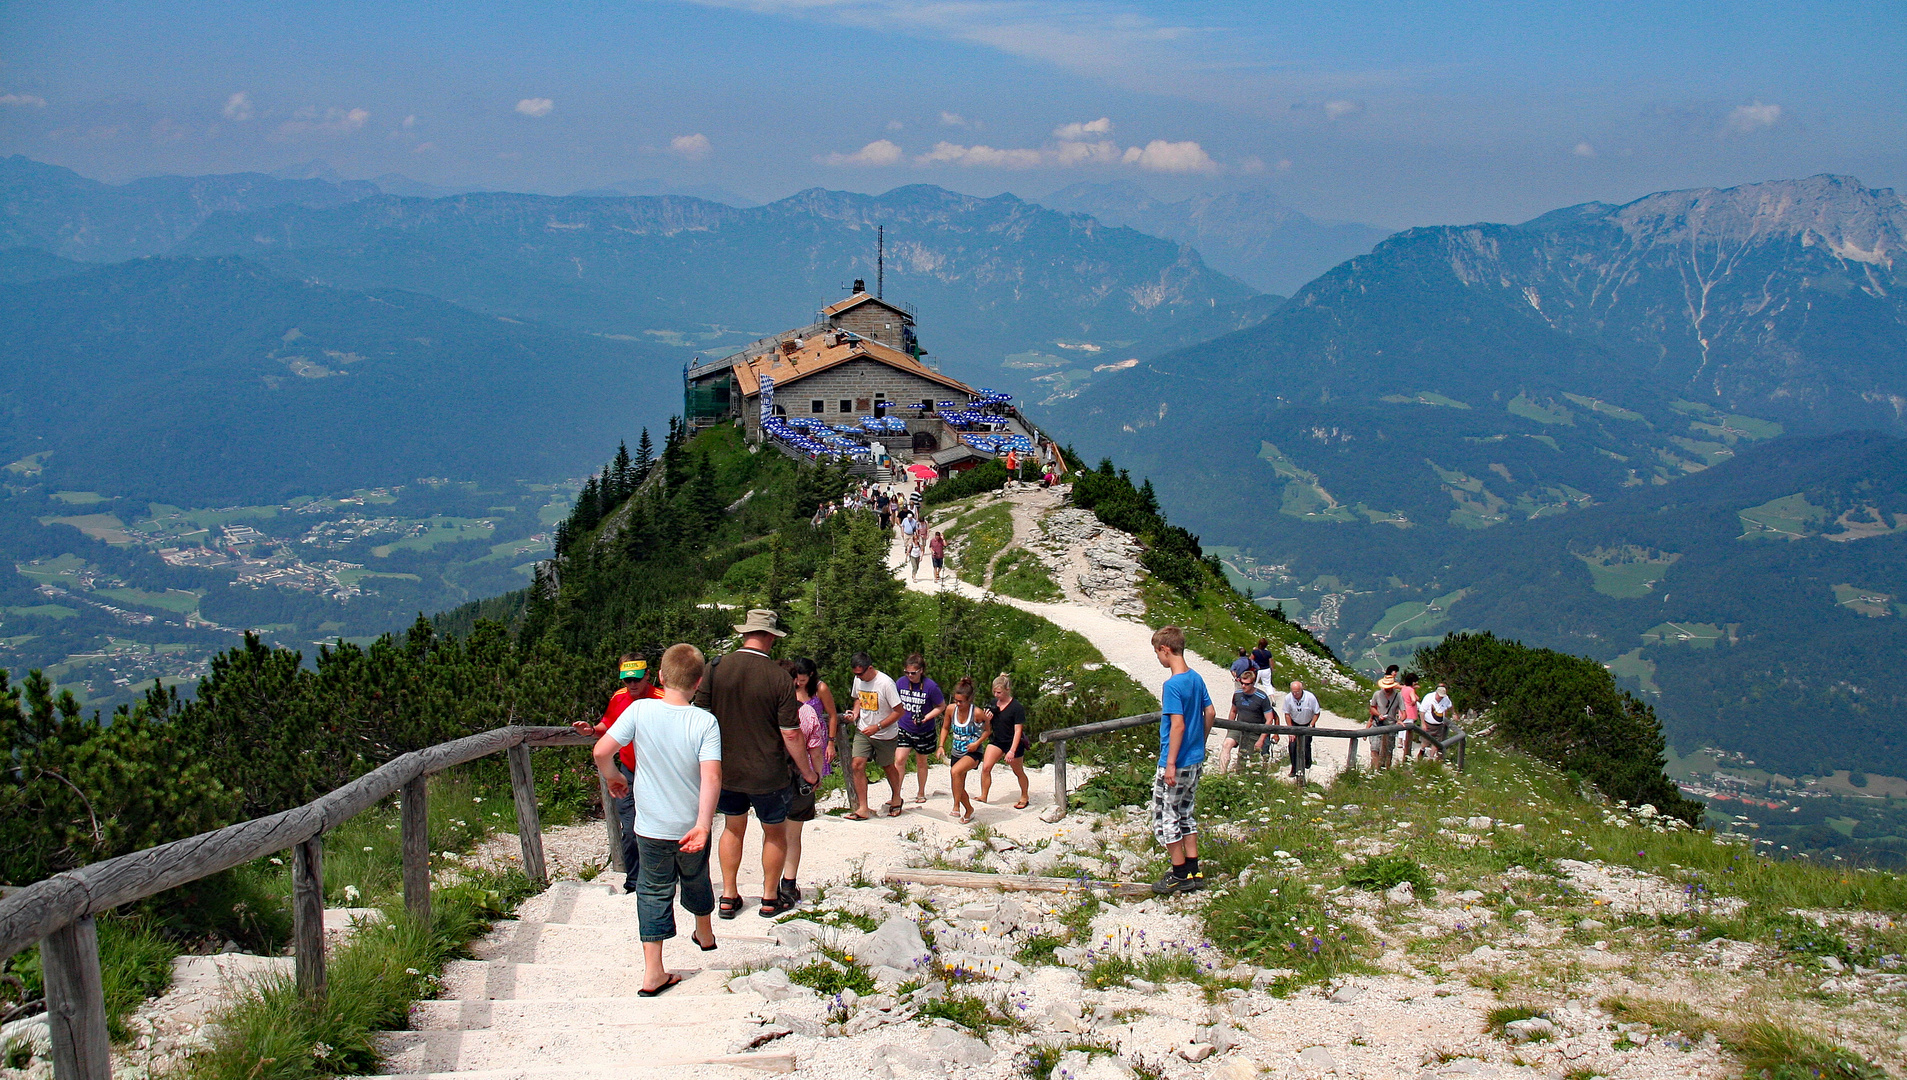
{"x": 767, "y": 398}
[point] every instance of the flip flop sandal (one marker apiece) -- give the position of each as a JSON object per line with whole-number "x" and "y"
{"x": 1021, "y": 805}
{"x": 857, "y": 816}
{"x": 668, "y": 984}
{"x": 894, "y": 809}
{"x": 730, "y": 907}
{"x": 710, "y": 947}
{"x": 919, "y": 799}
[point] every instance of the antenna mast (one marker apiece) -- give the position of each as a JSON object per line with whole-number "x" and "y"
{"x": 880, "y": 260}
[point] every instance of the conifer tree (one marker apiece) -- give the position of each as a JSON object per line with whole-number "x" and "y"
{"x": 624, "y": 471}
{"x": 645, "y": 456}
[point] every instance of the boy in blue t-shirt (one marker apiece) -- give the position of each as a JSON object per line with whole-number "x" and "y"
{"x": 1185, "y": 715}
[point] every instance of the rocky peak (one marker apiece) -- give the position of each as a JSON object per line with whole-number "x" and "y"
{"x": 1857, "y": 223}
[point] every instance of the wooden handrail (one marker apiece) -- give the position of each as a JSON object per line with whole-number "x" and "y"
{"x": 58, "y": 911}
{"x": 1060, "y": 736}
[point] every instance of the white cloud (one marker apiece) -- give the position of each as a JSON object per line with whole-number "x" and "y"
{"x": 877, "y": 153}
{"x": 410, "y": 122}
{"x": 329, "y": 122}
{"x": 33, "y": 101}
{"x": 1180, "y": 157}
{"x": 692, "y": 147}
{"x": 946, "y": 153}
{"x": 239, "y": 107}
{"x": 1746, "y": 118}
{"x": 1338, "y": 110}
{"x": 954, "y": 119}
{"x": 1103, "y": 152}
{"x": 1078, "y": 132}
{"x": 535, "y": 106}
{"x": 1583, "y": 149}
{"x": 895, "y": 125}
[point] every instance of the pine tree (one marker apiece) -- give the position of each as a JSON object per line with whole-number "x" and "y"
{"x": 645, "y": 456}
{"x": 624, "y": 471}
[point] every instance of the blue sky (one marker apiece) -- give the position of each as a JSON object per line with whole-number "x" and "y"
{"x": 1396, "y": 114}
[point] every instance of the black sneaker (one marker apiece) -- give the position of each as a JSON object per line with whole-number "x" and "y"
{"x": 1172, "y": 883}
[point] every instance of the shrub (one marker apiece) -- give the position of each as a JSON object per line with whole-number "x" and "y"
{"x": 1380, "y": 873}
{"x": 1274, "y": 921}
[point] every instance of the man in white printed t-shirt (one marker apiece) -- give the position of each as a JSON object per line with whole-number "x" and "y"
{"x": 1300, "y": 708}
{"x": 678, "y": 781}
{"x": 876, "y": 715}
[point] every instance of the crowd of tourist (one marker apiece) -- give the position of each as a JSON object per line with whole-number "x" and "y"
{"x": 748, "y": 734}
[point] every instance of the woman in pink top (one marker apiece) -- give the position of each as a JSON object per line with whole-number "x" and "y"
{"x": 937, "y": 547}
{"x": 819, "y": 724}
{"x": 1411, "y": 714}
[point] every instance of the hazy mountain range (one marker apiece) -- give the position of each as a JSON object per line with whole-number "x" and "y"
{"x": 1398, "y": 417}
{"x": 1250, "y": 235}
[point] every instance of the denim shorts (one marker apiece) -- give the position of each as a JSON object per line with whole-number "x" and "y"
{"x": 770, "y": 809}
{"x": 664, "y": 867}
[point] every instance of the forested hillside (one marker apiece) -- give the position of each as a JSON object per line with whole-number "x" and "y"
{"x": 217, "y": 381}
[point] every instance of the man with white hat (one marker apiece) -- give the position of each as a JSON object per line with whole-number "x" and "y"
{"x": 764, "y": 758}
{"x": 1387, "y": 707}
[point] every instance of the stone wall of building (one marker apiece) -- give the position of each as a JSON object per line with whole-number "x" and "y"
{"x": 874, "y": 321}
{"x": 859, "y": 383}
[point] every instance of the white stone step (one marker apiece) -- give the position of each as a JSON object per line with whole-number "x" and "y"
{"x": 498, "y": 980}
{"x": 724, "y": 1067}
{"x": 683, "y": 1037}
{"x": 528, "y": 942}
{"x": 478, "y": 1014}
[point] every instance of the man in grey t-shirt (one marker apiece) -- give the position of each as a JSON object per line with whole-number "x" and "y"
{"x": 1387, "y": 707}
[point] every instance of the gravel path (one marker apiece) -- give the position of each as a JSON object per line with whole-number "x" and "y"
{"x": 1126, "y": 643}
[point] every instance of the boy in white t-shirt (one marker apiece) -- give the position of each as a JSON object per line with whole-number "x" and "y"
{"x": 678, "y": 781}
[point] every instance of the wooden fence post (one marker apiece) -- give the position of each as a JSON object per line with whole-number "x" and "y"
{"x": 307, "y": 915}
{"x": 76, "y": 1002}
{"x": 1059, "y": 776}
{"x": 528, "y": 828}
{"x": 612, "y": 822}
{"x": 416, "y": 838}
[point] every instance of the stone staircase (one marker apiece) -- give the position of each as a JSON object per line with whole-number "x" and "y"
{"x": 552, "y": 993}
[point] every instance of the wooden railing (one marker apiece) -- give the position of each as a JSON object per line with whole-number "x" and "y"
{"x": 58, "y": 911}
{"x": 1059, "y": 737}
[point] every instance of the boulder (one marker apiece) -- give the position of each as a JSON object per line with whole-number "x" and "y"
{"x": 1401, "y": 893}
{"x": 1592, "y": 925}
{"x": 771, "y": 983}
{"x": 1346, "y": 994}
{"x": 1529, "y": 1030}
{"x": 1317, "y": 1059}
{"x": 1196, "y": 1051}
{"x": 932, "y": 1049}
{"x": 1065, "y": 1016}
{"x": 896, "y": 943}
{"x": 1234, "y": 1068}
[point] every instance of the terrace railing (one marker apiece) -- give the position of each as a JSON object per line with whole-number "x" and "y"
{"x": 1059, "y": 737}
{"x": 58, "y": 912}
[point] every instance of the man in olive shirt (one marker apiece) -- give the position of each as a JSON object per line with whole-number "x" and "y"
{"x": 763, "y": 753}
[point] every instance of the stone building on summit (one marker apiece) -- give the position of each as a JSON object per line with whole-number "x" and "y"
{"x": 858, "y": 366}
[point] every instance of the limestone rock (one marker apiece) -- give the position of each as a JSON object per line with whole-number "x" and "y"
{"x": 1234, "y": 1068}
{"x": 1346, "y": 994}
{"x": 1317, "y": 1059}
{"x": 896, "y": 943}
{"x": 930, "y": 1049}
{"x": 1529, "y": 1030}
{"x": 1196, "y": 1051}
{"x": 1078, "y": 1065}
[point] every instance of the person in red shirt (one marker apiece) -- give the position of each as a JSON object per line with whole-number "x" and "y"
{"x": 637, "y": 684}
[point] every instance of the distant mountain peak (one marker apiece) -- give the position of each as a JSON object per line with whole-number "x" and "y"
{"x": 1857, "y": 223}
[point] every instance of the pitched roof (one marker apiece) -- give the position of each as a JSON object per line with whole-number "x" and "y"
{"x": 826, "y": 351}
{"x": 857, "y": 300}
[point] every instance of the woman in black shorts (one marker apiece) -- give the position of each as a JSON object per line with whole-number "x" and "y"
{"x": 1008, "y": 742}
